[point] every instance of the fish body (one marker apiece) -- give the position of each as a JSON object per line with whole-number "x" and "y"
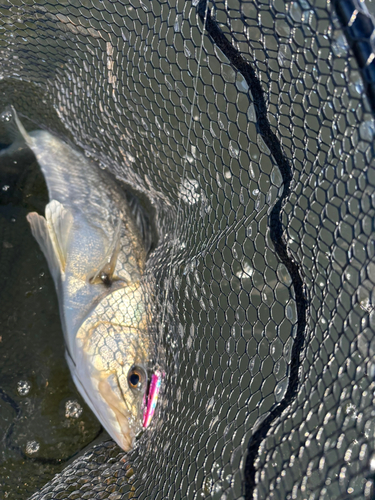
{"x": 96, "y": 256}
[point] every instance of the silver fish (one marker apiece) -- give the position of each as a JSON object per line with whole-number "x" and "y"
{"x": 96, "y": 256}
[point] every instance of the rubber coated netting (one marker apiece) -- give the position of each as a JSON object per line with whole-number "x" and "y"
{"x": 246, "y": 129}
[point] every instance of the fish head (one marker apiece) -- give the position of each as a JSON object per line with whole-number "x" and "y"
{"x": 124, "y": 393}
{"x": 110, "y": 370}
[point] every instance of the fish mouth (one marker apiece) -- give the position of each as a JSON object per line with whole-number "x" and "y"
{"x": 120, "y": 427}
{"x": 125, "y": 438}
{"x": 99, "y": 397}
{"x": 119, "y": 423}
{"x": 150, "y": 400}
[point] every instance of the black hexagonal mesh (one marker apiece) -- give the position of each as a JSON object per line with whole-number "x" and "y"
{"x": 247, "y": 127}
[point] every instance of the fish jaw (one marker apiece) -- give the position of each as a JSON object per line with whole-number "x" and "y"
{"x": 125, "y": 403}
{"x": 126, "y": 423}
{"x": 118, "y": 429}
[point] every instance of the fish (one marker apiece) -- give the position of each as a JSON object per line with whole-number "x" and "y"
{"x": 97, "y": 256}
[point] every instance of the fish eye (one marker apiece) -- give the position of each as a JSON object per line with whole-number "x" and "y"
{"x": 136, "y": 377}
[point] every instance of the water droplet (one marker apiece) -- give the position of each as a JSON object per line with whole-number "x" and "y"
{"x": 291, "y": 312}
{"x": 223, "y": 271}
{"x": 371, "y": 371}
{"x": 284, "y": 56}
{"x": 356, "y": 82}
{"x": 340, "y": 46}
{"x": 242, "y": 84}
{"x": 189, "y": 191}
{"x": 295, "y": 12}
{"x": 246, "y": 272}
{"x": 222, "y": 121}
{"x": 277, "y": 366}
{"x": 32, "y": 447}
{"x": 367, "y": 130}
{"x": 369, "y": 488}
{"x": 229, "y": 478}
{"x": 216, "y": 487}
{"x": 282, "y": 28}
{"x": 73, "y": 409}
{"x": 287, "y": 351}
{"x": 23, "y": 387}
{"x": 276, "y": 177}
{"x": 144, "y": 6}
{"x": 350, "y": 409}
{"x": 251, "y": 114}
{"x": 178, "y": 23}
{"x": 262, "y": 145}
{"x": 234, "y": 150}
{"x": 6, "y": 116}
{"x": 187, "y": 51}
{"x": 283, "y": 275}
{"x": 228, "y": 73}
{"x": 280, "y": 389}
{"x": 130, "y": 157}
{"x": 207, "y": 138}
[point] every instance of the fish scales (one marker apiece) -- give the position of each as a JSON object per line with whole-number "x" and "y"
{"x": 96, "y": 256}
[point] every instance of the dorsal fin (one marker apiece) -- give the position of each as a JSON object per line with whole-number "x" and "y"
{"x": 107, "y": 266}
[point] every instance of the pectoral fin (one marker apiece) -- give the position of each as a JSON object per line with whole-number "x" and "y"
{"x": 59, "y": 221}
{"x": 52, "y": 235}
{"x": 107, "y": 266}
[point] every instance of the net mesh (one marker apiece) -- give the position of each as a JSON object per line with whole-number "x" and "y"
{"x": 247, "y": 127}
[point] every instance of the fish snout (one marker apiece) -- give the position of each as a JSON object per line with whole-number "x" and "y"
{"x": 124, "y": 399}
{"x": 122, "y": 433}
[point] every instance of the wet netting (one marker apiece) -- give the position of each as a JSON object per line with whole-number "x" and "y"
{"x": 246, "y": 129}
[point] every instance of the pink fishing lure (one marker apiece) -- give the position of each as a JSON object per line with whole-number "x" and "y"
{"x": 152, "y": 398}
